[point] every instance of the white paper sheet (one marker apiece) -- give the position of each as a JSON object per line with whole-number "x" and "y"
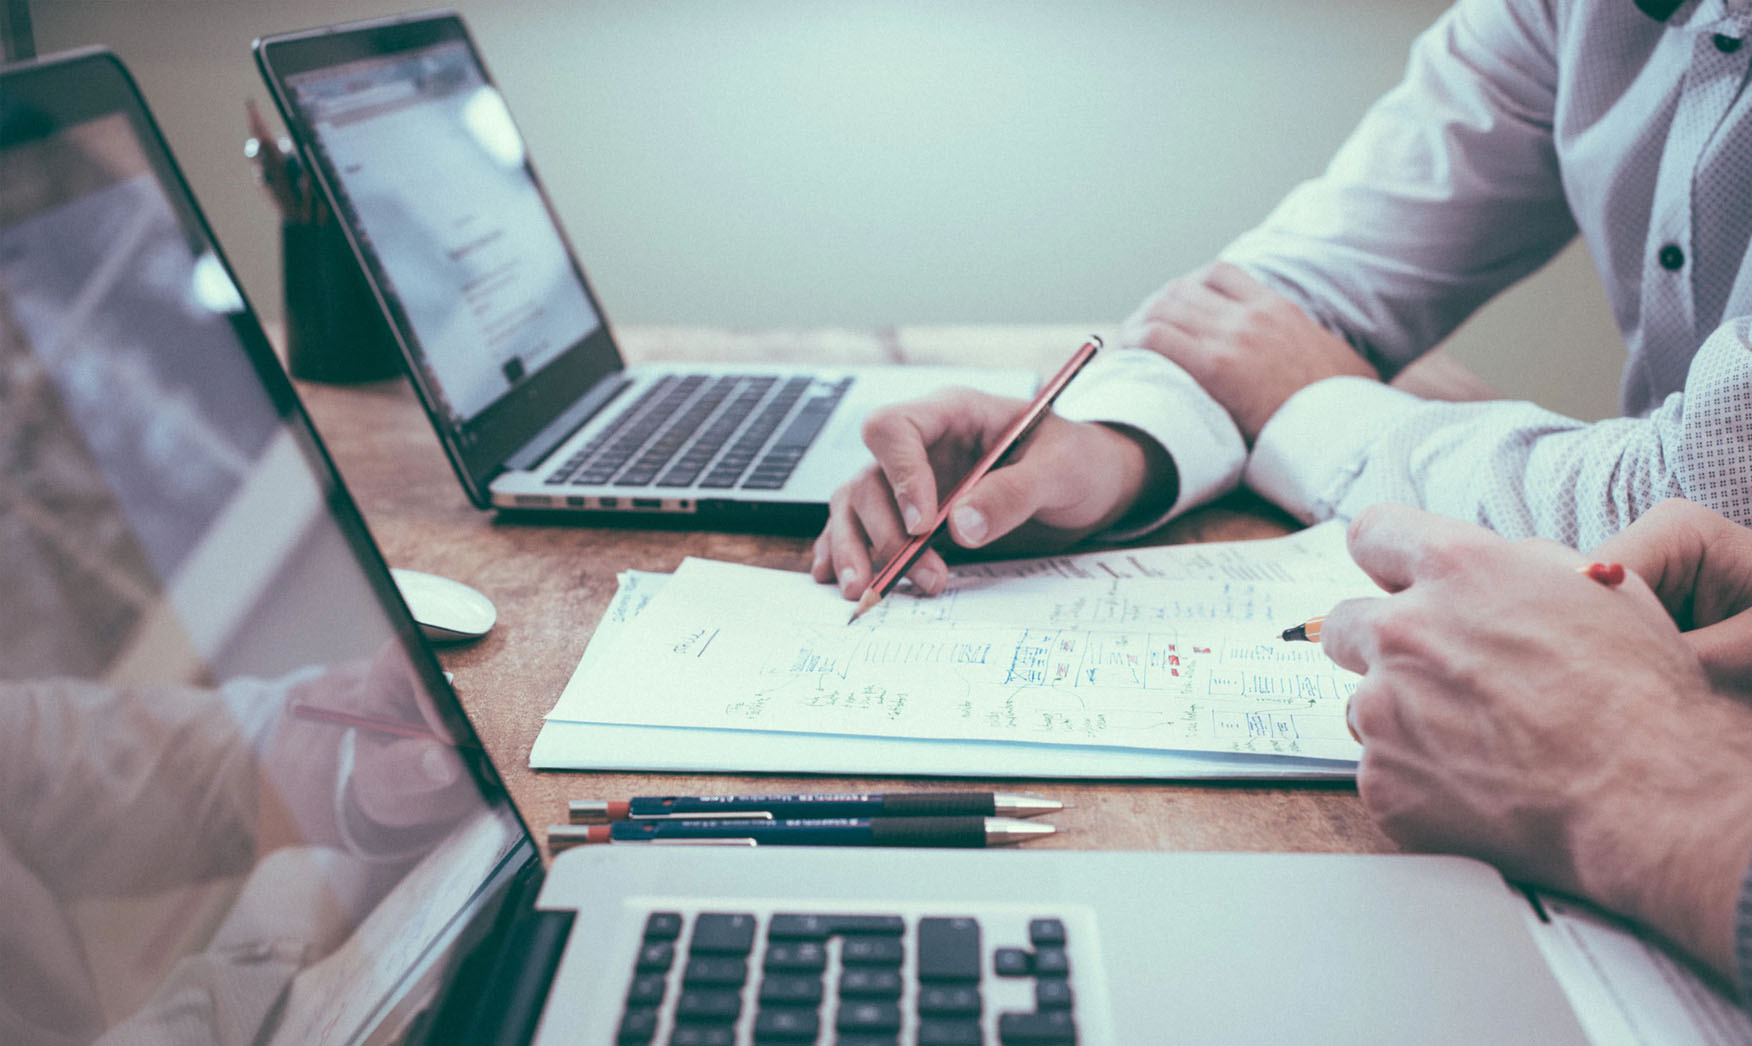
{"x": 1171, "y": 651}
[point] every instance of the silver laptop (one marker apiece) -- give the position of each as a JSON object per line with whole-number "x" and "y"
{"x": 507, "y": 345}
{"x": 240, "y": 804}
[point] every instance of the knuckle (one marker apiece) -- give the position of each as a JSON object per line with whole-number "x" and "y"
{"x": 1400, "y": 632}
{"x": 1370, "y": 711}
{"x": 1152, "y": 334}
{"x": 883, "y": 425}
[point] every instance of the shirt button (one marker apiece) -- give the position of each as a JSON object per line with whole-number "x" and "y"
{"x": 1727, "y": 44}
{"x": 1671, "y": 257}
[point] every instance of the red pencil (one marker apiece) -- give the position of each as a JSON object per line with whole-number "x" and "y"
{"x": 381, "y": 724}
{"x": 1024, "y": 423}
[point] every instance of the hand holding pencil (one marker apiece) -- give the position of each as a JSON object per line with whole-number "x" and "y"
{"x": 1063, "y": 481}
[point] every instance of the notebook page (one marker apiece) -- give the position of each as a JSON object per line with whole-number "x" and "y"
{"x": 1181, "y": 652}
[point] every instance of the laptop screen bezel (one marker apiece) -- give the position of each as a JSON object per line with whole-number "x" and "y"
{"x": 91, "y": 83}
{"x": 479, "y": 448}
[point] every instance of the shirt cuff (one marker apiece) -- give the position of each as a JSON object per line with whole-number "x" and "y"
{"x": 1311, "y": 450}
{"x": 1143, "y": 390}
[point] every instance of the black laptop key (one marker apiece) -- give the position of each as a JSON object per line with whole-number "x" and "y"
{"x": 1051, "y": 962}
{"x": 662, "y": 926}
{"x": 779, "y": 989}
{"x": 702, "y": 1035}
{"x": 1046, "y": 933}
{"x": 1013, "y": 962}
{"x": 637, "y": 1025}
{"x": 872, "y": 951}
{"x": 796, "y": 957}
{"x": 786, "y": 1025}
{"x": 865, "y": 1039}
{"x": 1052, "y": 993}
{"x": 708, "y": 1006}
{"x": 948, "y": 949}
{"x": 785, "y": 926}
{"x": 655, "y": 956}
{"x": 1048, "y": 1028}
{"x": 865, "y": 1015}
{"x": 711, "y": 971}
{"x": 948, "y": 1001}
{"x": 718, "y": 933}
{"x": 647, "y": 989}
{"x": 870, "y": 982}
{"x": 814, "y": 927}
{"x": 950, "y": 1033}
{"x": 808, "y": 423}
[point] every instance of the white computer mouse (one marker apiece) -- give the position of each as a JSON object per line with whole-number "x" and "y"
{"x": 447, "y": 611}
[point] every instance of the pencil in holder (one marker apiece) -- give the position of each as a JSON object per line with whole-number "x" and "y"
{"x": 335, "y": 331}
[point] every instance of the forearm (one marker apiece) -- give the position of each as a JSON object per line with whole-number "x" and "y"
{"x": 163, "y": 774}
{"x": 1339, "y": 446}
{"x": 1671, "y": 849}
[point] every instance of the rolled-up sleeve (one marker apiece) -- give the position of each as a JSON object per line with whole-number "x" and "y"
{"x": 1447, "y": 192}
{"x": 1343, "y": 444}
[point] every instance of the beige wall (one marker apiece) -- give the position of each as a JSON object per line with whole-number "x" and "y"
{"x": 794, "y": 162}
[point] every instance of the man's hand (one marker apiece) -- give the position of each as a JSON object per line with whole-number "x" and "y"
{"x": 1250, "y": 347}
{"x": 1067, "y": 480}
{"x": 396, "y": 783}
{"x": 1700, "y": 564}
{"x": 1514, "y": 710}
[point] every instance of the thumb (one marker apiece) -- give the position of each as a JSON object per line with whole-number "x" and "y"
{"x": 1007, "y": 498}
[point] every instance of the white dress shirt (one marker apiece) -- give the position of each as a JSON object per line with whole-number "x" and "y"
{"x": 1518, "y": 124}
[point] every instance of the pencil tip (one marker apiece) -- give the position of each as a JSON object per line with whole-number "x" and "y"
{"x": 870, "y": 598}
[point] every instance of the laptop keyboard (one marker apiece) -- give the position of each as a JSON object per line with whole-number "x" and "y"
{"x": 707, "y": 431}
{"x": 733, "y": 978}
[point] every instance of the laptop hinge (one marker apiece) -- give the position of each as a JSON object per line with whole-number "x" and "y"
{"x": 496, "y": 994}
{"x": 561, "y": 428}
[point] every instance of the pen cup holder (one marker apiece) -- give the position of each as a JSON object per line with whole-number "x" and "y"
{"x": 334, "y": 329}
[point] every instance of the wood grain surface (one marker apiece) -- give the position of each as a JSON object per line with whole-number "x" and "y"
{"x": 551, "y": 583}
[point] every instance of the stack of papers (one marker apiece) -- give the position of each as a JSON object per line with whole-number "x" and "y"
{"x": 1158, "y": 662}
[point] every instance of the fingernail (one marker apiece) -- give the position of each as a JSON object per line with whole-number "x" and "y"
{"x": 846, "y": 577}
{"x": 816, "y": 563}
{"x": 912, "y": 516}
{"x": 970, "y": 524}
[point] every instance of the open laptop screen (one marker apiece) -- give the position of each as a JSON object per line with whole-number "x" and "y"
{"x": 430, "y": 174}
{"x": 237, "y": 802}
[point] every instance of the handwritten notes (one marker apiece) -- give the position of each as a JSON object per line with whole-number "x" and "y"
{"x": 1167, "y": 648}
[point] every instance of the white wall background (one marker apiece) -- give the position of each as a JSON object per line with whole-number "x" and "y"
{"x": 803, "y": 162}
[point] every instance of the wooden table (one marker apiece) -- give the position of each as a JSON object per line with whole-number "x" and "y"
{"x": 552, "y": 583}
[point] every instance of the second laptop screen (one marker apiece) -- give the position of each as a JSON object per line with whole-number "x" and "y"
{"x": 434, "y": 173}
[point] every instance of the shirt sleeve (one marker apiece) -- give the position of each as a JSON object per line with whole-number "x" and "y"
{"x": 1342, "y": 444}
{"x": 1447, "y": 192}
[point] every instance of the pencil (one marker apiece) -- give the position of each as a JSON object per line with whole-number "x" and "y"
{"x": 270, "y": 160}
{"x": 381, "y": 724}
{"x": 1609, "y": 574}
{"x": 1018, "y": 429}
